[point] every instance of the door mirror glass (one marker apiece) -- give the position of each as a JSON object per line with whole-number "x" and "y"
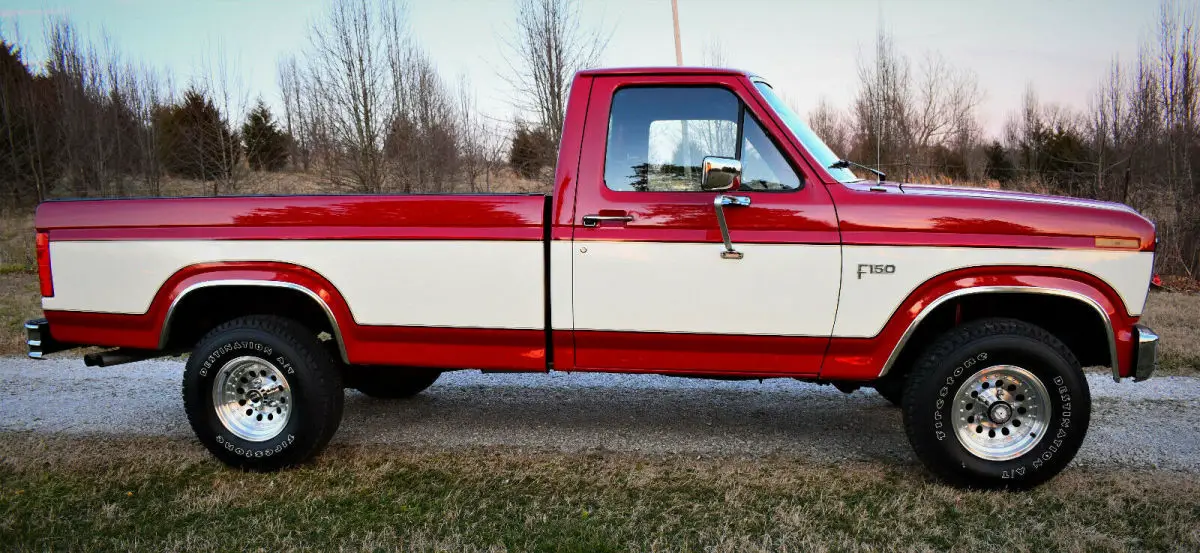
{"x": 721, "y": 174}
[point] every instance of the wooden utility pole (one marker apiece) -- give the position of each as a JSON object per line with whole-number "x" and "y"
{"x": 687, "y": 150}
{"x": 675, "y": 18}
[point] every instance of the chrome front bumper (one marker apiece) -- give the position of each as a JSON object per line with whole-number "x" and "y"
{"x": 1145, "y": 355}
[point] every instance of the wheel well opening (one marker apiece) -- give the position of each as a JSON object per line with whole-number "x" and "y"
{"x": 202, "y": 310}
{"x": 1078, "y": 324}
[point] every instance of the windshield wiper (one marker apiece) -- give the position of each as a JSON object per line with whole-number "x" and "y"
{"x": 846, "y": 164}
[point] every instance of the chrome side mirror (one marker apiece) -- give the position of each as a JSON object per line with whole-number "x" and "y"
{"x": 720, "y": 174}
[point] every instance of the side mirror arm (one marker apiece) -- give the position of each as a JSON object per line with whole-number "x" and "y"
{"x": 719, "y": 204}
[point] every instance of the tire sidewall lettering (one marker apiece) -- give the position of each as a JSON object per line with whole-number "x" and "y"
{"x": 208, "y": 370}
{"x": 249, "y": 450}
{"x": 212, "y": 362}
{"x": 1058, "y": 434}
{"x": 951, "y": 383}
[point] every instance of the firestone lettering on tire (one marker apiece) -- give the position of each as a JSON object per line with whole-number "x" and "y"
{"x": 951, "y": 380}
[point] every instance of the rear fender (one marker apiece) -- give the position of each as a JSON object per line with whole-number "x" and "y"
{"x": 266, "y": 274}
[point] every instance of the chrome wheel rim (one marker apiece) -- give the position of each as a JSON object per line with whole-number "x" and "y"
{"x": 1001, "y": 413}
{"x": 252, "y": 398}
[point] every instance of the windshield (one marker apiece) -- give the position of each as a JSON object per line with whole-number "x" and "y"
{"x": 813, "y": 143}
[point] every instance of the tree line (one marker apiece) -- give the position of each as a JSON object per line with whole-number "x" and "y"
{"x": 1136, "y": 142}
{"x": 364, "y": 109}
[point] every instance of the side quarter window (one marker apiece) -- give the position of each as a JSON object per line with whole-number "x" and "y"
{"x": 658, "y": 137}
{"x": 763, "y": 165}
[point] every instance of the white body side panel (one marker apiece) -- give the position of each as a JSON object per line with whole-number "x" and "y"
{"x": 687, "y": 287}
{"x": 777, "y": 289}
{"x": 868, "y": 302}
{"x": 561, "y": 278}
{"x": 480, "y": 284}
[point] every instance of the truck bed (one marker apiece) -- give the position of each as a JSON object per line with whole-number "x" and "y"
{"x": 400, "y": 267}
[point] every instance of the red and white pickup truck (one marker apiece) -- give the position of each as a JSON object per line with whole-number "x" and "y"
{"x": 697, "y": 228}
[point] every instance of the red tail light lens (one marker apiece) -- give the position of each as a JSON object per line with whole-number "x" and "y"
{"x": 43, "y": 260}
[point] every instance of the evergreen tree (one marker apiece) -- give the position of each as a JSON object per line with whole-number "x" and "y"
{"x": 532, "y": 150}
{"x": 998, "y": 167}
{"x": 196, "y": 141}
{"x": 266, "y": 145}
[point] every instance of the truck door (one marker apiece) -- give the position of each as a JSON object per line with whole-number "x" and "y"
{"x": 655, "y": 288}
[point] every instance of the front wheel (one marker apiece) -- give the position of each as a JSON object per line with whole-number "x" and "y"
{"x": 997, "y": 403}
{"x": 262, "y": 393}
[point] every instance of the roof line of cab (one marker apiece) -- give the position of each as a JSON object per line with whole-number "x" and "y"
{"x": 665, "y": 70}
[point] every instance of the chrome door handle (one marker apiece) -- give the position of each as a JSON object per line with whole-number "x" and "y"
{"x": 595, "y": 220}
{"x": 743, "y": 201}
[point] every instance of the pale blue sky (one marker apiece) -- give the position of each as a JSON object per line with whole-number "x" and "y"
{"x": 807, "y": 48}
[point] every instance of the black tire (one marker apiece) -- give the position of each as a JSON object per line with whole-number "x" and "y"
{"x": 391, "y": 382}
{"x": 892, "y": 389}
{"x": 957, "y": 360}
{"x": 290, "y": 351}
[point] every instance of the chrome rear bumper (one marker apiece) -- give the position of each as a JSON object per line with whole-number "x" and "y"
{"x": 39, "y": 341}
{"x": 1145, "y": 355}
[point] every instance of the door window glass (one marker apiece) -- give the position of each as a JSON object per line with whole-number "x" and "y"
{"x": 658, "y": 137}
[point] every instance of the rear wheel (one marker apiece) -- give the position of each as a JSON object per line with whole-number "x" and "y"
{"x": 997, "y": 403}
{"x": 262, "y": 393}
{"x": 391, "y": 382}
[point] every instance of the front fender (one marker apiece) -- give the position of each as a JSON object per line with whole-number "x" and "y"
{"x": 870, "y": 358}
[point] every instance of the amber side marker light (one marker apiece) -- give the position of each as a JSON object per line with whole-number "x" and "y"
{"x": 1118, "y": 243}
{"x": 43, "y": 261}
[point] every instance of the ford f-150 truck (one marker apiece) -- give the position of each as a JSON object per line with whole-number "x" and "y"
{"x": 697, "y": 228}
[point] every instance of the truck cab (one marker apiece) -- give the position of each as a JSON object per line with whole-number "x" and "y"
{"x": 697, "y": 228}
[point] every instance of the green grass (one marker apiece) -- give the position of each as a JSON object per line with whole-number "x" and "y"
{"x": 153, "y": 494}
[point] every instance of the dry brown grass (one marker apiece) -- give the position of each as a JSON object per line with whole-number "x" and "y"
{"x": 16, "y": 242}
{"x": 1176, "y": 319}
{"x": 72, "y": 492}
{"x": 20, "y": 301}
{"x": 19, "y": 296}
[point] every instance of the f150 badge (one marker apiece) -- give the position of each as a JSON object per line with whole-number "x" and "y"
{"x": 868, "y": 269}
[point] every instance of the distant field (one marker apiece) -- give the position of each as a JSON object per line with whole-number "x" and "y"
{"x": 83, "y": 493}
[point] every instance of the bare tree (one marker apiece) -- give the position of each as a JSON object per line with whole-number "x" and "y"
{"x": 494, "y": 148}
{"x": 223, "y": 84}
{"x": 714, "y": 53}
{"x": 884, "y": 105}
{"x": 471, "y": 134}
{"x": 298, "y": 112}
{"x": 831, "y": 125}
{"x": 946, "y": 100}
{"x": 348, "y": 64}
{"x": 925, "y": 120}
{"x": 422, "y": 138}
{"x": 549, "y": 46}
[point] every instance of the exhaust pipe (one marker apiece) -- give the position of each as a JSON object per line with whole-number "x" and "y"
{"x": 120, "y": 356}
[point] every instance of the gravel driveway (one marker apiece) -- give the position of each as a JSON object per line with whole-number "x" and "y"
{"x": 1133, "y": 425}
